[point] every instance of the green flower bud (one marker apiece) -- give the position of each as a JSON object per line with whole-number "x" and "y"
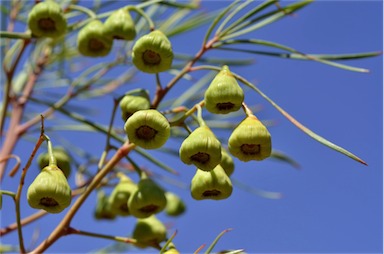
{"x": 148, "y": 129}
{"x": 175, "y": 205}
{"x": 120, "y": 25}
{"x": 148, "y": 199}
{"x": 227, "y": 162}
{"x": 214, "y": 184}
{"x": 149, "y": 232}
{"x": 250, "y": 140}
{"x": 50, "y": 190}
{"x": 103, "y": 208}
{"x": 92, "y": 42}
{"x": 118, "y": 199}
{"x": 171, "y": 249}
{"x": 131, "y": 103}
{"x": 152, "y": 53}
{"x": 224, "y": 95}
{"x": 201, "y": 148}
{"x": 46, "y": 19}
{"x": 63, "y": 160}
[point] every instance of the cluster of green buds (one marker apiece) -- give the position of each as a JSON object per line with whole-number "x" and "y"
{"x": 201, "y": 148}
{"x": 118, "y": 200}
{"x": 214, "y": 184}
{"x": 148, "y": 199}
{"x": 149, "y": 232}
{"x": 134, "y": 101}
{"x": 63, "y": 160}
{"x": 175, "y": 205}
{"x": 148, "y": 129}
{"x": 152, "y": 53}
{"x": 46, "y": 19}
{"x": 119, "y": 25}
{"x": 92, "y": 41}
{"x": 250, "y": 140}
{"x": 103, "y": 210}
{"x": 224, "y": 95}
{"x": 50, "y": 190}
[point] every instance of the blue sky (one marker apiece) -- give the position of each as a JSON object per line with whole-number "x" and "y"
{"x": 332, "y": 203}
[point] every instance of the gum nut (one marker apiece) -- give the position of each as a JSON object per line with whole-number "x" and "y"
{"x": 214, "y": 184}
{"x": 92, "y": 42}
{"x": 119, "y": 25}
{"x": 250, "y": 140}
{"x": 149, "y": 232}
{"x": 103, "y": 209}
{"x": 63, "y": 160}
{"x": 49, "y": 191}
{"x": 227, "y": 162}
{"x": 201, "y": 148}
{"x": 131, "y": 103}
{"x": 46, "y": 19}
{"x": 148, "y": 199}
{"x": 175, "y": 205}
{"x": 152, "y": 53}
{"x": 224, "y": 95}
{"x": 118, "y": 200}
{"x": 148, "y": 129}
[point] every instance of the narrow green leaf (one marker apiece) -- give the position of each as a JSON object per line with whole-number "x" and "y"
{"x": 155, "y": 161}
{"x": 213, "y": 60}
{"x": 210, "y": 248}
{"x": 280, "y": 156}
{"x": 249, "y": 14}
{"x": 256, "y": 192}
{"x": 295, "y": 54}
{"x": 265, "y": 20}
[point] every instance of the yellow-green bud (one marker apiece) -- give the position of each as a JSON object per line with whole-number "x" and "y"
{"x": 91, "y": 40}
{"x": 214, "y": 184}
{"x": 152, "y": 53}
{"x": 119, "y": 25}
{"x": 50, "y": 190}
{"x": 149, "y": 232}
{"x": 63, "y": 160}
{"x": 175, "y": 205}
{"x": 148, "y": 129}
{"x": 201, "y": 148}
{"x": 131, "y": 103}
{"x": 171, "y": 249}
{"x": 250, "y": 140}
{"x": 224, "y": 95}
{"x": 148, "y": 199}
{"x": 227, "y": 162}
{"x": 46, "y": 19}
{"x": 103, "y": 208}
{"x": 118, "y": 199}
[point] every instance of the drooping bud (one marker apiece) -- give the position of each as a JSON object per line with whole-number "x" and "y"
{"x": 149, "y": 232}
{"x": 103, "y": 208}
{"x": 227, "y": 162}
{"x": 250, "y": 140}
{"x": 50, "y": 190}
{"x": 224, "y": 95}
{"x": 46, "y": 19}
{"x": 148, "y": 199}
{"x": 118, "y": 199}
{"x": 119, "y": 25}
{"x": 175, "y": 205}
{"x": 148, "y": 129}
{"x": 92, "y": 41}
{"x": 214, "y": 184}
{"x": 152, "y": 53}
{"x": 201, "y": 148}
{"x": 131, "y": 103}
{"x": 63, "y": 160}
